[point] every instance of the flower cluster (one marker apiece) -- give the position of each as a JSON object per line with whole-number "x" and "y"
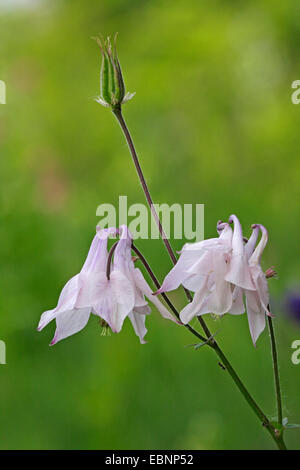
{"x": 112, "y": 289}
{"x": 222, "y": 272}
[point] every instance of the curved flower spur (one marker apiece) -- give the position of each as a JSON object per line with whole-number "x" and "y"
{"x": 222, "y": 271}
{"x": 112, "y": 289}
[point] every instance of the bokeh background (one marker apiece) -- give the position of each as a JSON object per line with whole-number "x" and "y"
{"x": 213, "y": 123}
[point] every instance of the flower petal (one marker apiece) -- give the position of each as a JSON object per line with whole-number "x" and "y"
{"x": 179, "y": 273}
{"x": 192, "y": 309}
{"x": 122, "y": 257}
{"x": 142, "y": 284}
{"x": 237, "y": 307}
{"x": 97, "y": 255}
{"x": 239, "y": 271}
{"x": 145, "y": 310}
{"x": 256, "y": 315}
{"x": 256, "y": 256}
{"x": 113, "y": 299}
{"x": 219, "y": 301}
{"x": 70, "y": 322}
{"x": 261, "y": 285}
{"x": 250, "y": 245}
{"x": 138, "y": 322}
{"x": 67, "y": 301}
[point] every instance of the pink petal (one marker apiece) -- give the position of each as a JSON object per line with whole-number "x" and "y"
{"x": 256, "y": 256}
{"x": 261, "y": 285}
{"x": 192, "y": 309}
{"x": 113, "y": 300}
{"x": 239, "y": 271}
{"x": 237, "y": 307}
{"x": 256, "y": 315}
{"x": 142, "y": 284}
{"x": 67, "y": 301}
{"x": 69, "y": 323}
{"x": 138, "y": 322}
{"x": 97, "y": 255}
{"x": 122, "y": 256}
{"x": 250, "y": 245}
{"x": 179, "y": 273}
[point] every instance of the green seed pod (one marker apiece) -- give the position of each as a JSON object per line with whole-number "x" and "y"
{"x": 112, "y": 87}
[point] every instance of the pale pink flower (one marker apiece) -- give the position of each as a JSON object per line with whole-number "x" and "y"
{"x": 112, "y": 297}
{"x": 213, "y": 293}
{"x": 222, "y": 271}
{"x": 196, "y": 260}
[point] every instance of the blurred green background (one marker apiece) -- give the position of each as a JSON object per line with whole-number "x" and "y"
{"x": 213, "y": 123}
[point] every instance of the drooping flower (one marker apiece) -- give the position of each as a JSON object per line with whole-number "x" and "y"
{"x": 111, "y": 291}
{"x": 70, "y": 318}
{"x": 222, "y": 272}
{"x": 196, "y": 259}
{"x": 213, "y": 293}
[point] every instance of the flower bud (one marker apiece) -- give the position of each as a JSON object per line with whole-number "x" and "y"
{"x": 112, "y": 87}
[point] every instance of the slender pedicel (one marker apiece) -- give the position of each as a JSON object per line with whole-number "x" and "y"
{"x": 164, "y": 296}
{"x": 109, "y": 259}
{"x": 275, "y": 369}
{"x": 118, "y": 113}
{"x": 212, "y": 342}
{"x": 115, "y": 105}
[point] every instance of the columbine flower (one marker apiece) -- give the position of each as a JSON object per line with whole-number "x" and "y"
{"x": 112, "y": 87}
{"x": 222, "y": 271}
{"x": 202, "y": 268}
{"x": 111, "y": 290}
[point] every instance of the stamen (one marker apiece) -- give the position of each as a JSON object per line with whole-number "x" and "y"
{"x": 270, "y": 272}
{"x": 105, "y": 328}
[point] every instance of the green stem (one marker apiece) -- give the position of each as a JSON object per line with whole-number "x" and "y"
{"x": 248, "y": 397}
{"x": 118, "y": 113}
{"x": 165, "y": 297}
{"x": 226, "y": 364}
{"x": 276, "y": 370}
{"x": 211, "y": 341}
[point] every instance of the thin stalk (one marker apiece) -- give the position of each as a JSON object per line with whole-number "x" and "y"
{"x": 277, "y": 437}
{"x": 164, "y": 296}
{"x": 211, "y": 341}
{"x": 248, "y": 397}
{"x": 275, "y": 369}
{"x": 118, "y": 113}
{"x": 109, "y": 258}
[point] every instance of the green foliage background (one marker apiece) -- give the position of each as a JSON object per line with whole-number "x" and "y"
{"x": 213, "y": 123}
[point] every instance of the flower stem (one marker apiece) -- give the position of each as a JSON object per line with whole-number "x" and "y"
{"x": 164, "y": 296}
{"x": 211, "y": 341}
{"x": 276, "y": 370}
{"x": 226, "y": 364}
{"x": 248, "y": 397}
{"x": 118, "y": 113}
